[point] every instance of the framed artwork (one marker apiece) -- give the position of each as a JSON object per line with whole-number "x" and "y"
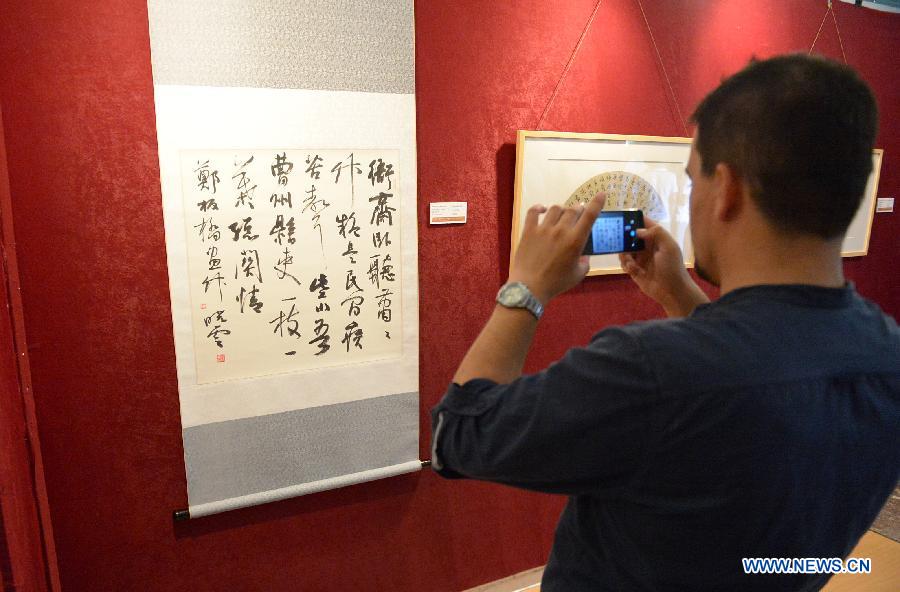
{"x": 856, "y": 241}
{"x": 643, "y": 172}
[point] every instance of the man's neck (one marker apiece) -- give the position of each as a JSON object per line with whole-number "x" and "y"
{"x": 799, "y": 260}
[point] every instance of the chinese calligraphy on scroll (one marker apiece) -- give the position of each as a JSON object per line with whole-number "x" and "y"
{"x": 294, "y": 259}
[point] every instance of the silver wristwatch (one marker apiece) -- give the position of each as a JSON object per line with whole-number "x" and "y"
{"x": 517, "y": 295}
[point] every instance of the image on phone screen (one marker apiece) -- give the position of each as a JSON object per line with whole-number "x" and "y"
{"x": 615, "y": 232}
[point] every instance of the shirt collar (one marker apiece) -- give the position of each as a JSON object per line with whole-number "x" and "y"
{"x": 797, "y": 294}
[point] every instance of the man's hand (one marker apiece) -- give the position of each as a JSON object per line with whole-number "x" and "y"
{"x": 548, "y": 259}
{"x": 659, "y": 272}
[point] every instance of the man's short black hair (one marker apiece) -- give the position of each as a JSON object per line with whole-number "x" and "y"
{"x": 799, "y": 130}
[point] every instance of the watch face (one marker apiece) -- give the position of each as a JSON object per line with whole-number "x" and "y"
{"x": 513, "y": 295}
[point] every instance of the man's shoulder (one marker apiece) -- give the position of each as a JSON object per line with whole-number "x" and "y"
{"x": 662, "y": 334}
{"x": 657, "y": 346}
{"x": 743, "y": 342}
{"x": 768, "y": 318}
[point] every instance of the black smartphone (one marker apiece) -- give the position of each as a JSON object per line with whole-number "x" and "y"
{"x": 615, "y": 231}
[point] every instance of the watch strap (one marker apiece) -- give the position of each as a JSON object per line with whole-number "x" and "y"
{"x": 534, "y": 306}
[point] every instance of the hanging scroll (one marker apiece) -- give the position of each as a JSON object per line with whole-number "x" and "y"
{"x": 288, "y": 175}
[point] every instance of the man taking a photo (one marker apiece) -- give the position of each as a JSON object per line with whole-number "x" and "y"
{"x": 764, "y": 424}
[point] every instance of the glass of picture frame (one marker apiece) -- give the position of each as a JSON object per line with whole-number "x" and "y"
{"x": 643, "y": 172}
{"x": 856, "y": 241}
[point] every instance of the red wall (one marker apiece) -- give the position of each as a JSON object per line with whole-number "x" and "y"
{"x": 77, "y": 99}
{"x": 27, "y": 561}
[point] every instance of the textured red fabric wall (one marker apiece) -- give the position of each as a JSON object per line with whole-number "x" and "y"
{"x": 77, "y": 98}
{"x": 23, "y": 564}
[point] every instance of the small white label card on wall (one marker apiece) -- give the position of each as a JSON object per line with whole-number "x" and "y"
{"x": 448, "y": 212}
{"x": 289, "y": 201}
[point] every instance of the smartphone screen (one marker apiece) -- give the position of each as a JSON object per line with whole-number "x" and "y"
{"x": 615, "y": 232}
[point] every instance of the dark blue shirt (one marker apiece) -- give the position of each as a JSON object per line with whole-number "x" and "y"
{"x": 766, "y": 424}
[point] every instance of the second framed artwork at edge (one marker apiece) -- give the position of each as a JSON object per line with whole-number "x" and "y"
{"x": 643, "y": 172}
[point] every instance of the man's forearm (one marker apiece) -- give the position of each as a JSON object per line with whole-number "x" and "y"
{"x": 499, "y": 351}
{"x": 548, "y": 261}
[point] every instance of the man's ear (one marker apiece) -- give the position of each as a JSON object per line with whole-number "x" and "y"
{"x": 730, "y": 193}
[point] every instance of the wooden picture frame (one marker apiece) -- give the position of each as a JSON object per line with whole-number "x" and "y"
{"x": 856, "y": 241}
{"x": 646, "y": 172}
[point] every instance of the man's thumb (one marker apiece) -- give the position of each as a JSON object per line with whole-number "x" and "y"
{"x": 648, "y": 232}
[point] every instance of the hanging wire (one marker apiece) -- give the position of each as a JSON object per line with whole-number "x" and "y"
{"x": 587, "y": 26}
{"x": 819, "y": 32}
{"x": 663, "y": 66}
{"x": 837, "y": 29}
